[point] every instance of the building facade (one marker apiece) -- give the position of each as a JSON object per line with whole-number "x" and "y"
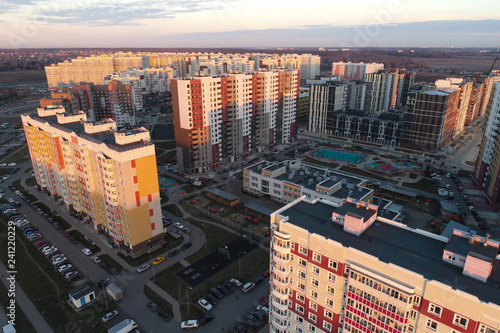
{"x": 231, "y": 116}
{"x": 343, "y": 269}
{"x": 354, "y": 71}
{"x": 487, "y": 168}
{"x": 105, "y": 176}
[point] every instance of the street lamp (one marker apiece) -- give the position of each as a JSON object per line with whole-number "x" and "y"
{"x": 105, "y": 297}
{"x": 187, "y": 299}
{"x": 205, "y": 227}
{"x": 152, "y": 266}
{"x": 239, "y": 263}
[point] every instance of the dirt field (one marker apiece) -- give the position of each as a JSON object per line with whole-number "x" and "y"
{"x": 13, "y": 77}
{"x": 478, "y": 64}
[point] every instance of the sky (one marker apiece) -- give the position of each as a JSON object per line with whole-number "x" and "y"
{"x": 249, "y": 23}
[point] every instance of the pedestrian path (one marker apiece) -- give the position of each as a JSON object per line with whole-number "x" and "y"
{"x": 175, "y": 305}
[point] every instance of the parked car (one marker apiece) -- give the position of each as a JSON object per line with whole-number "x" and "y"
{"x": 143, "y": 268}
{"x": 86, "y": 251}
{"x": 263, "y": 308}
{"x": 189, "y": 324}
{"x": 206, "y": 319}
{"x": 212, "y": 299}
{"x": 205, "y": 304}
{"x": 95, "y": 259}
{"x": 185, "y": 246}
{"x": 108, "y": 316}
{"x": 236, "y": 282}
{"x": 158, "y": 260}
{"x": 178, "y": 225}
{"x": 216, "y": 292}
{"x": 229, "y": 286}
{"x": 153, "y": 306}
{"x": 64, "y": 267}
{"x": 223, "y": 289}
{"x": 163, "y": 314}
{"x": 259, "y": 280}
{"x": 173, "y": 253}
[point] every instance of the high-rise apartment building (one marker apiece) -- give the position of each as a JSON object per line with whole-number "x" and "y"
{"x": 303, "y": 106}
{"x": 354, "y": 71}
{"x": 384, "y": 90}
{"x": 346, "y": 269}
{"x": 91, "y": 69}
{"x": 324, "y": 100}
{"x": 487, "y": 169}
{"x": 229, "y": 116}
{"x": 107, "y": 177}
{"x": 430, "y": 118}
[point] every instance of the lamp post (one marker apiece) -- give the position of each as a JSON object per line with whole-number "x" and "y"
{"x": 239, "y": 263}
{"x": 152, "y": 266}
{"x": 187, "y": 300}
{"x": 105, "y": 297}
{"x": 205, "y": 227}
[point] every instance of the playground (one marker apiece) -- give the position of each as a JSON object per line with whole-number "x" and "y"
{"x": 167, "y": 183}
{"x": 387, "y": 167}
{"x": 336, "y": 155}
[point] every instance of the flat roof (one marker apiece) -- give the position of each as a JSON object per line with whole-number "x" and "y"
{"x": 349, "y": 207}
{"x": 449, "y": 207}
{"x": 395, "y": 245}
{"x": 223, "y": 194}
{"x": 81, "y": 291}
{"x": 104, "y": 137}
{"x": 463, "y": 247}
{"x": 259, "y": 208}
{"x": 451, "y": 226}
{"x": 398, "y": 190}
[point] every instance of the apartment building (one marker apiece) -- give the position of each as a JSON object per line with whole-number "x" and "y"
{"x": 107, "y": 177}
{"x": 430, "y": 118}
{"x": 228, "y": 117}
{"x": 384, "y": 90}
{"x": 288, "y": 180}
{"x": 354, "y": 71}
{"x": 345, "y": 269}
{"x": 308, "y": 64}
{"x": 487, "y": 168}
{"x": 303, "y": 105}
{"x": 324, "y": 100}
{"x": 91, "y": 69}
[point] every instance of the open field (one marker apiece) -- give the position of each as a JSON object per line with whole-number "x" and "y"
{"x": 12, "y": 77}
{"x": 476, "y": 64}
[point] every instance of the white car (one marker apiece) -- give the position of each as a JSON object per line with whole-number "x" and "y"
{"x": 204, "y": 304}
{"x": 109, "y": 316}
{"x": 59, "y": 260}
{"x": 64, "y": 267}
{"x": 143, "y": 268}
{"x": 3, "y": 164}
{"x": 210, "y": 176}
{"x": 11, "y": 200}
{"x": 95, "y": 259}
{"x": 189, "y": 324}
{"x": 178, "y": 225}
{"x": 263, "y": 308}
{"x": 471, "y": 208}
{"x": 236, "y": 282}
{"x": 86, "y": 251}
{"x": 12, "y": 164}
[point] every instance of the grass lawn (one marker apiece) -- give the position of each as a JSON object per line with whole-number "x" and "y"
{"x": 48, "y": 290}
{"x": 170, "y": 244}
{"x": 17, "y": 156}
{"x": 62, "y": 222}
{"x": 166, "y": 157}
{"x": 112, "y": 262}
{"x": 159, "y": 300}
{"x": 252, "y": 264}
{"x": 30, "y": 181}
{"x": 5, "y": 171}
{"x": 423, "y": 184}
{"x": 366, "y": 174}
{"x": 31, "y": 197}
{"x": 164, "y": 197}
{"x": 22, "y": 323}
{"x": 29, "y": 170}
{"x": 216, "y": 237}
{"x": 174, "y": 210}
{"x": 165, "y": 144}
{"x": 81, "y": 238}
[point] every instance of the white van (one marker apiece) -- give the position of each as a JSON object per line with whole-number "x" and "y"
{"x": 247, "y": 287}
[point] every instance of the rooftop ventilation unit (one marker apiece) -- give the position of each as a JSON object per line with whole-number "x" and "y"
{"x": 259, "y": 167}
{"x": 290, "y": 176}
{"x": 319, "y": 179}
{"x": 349, "y": 194}
{"x": 302, "y": 173}
{"x": 360, "y": 189}
{"x": 344, "y": 181}
{"x": 316, "y": 174}
{"x": 310, "y": 181}
{"x": 333, "y": 178}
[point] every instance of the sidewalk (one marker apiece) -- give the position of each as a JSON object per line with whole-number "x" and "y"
{"x": 175, "y": 305}
{"x": 25, "y": 304}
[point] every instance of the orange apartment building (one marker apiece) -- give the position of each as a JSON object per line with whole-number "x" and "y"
{"x": 227, "y": 117}
{"x": 107, "y": 177}
{"x": 343, "y": 269}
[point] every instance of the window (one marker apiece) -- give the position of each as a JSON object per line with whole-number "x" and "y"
{"x": 302, "y": 262}
{"x": 485, "y": 329}
{"x": 313, "y": 306}
{"x": 301, "y": 274}
{"x": 312, "y": 328}
{"x": 315, "y": 269}
{"x": 293, "y": 245}
{"x": 314, "y": 294}
{"x": 327, "y": 326}
{"x": 300, "y": 297}
{"x": 299, "y": 308}
{"x": 329, "y": 314}
{"x": 435, "y": 310}
{"x": 410, "y": 328}
{"x": 413, "y": 314}
{"x": 298, "y": 329}
{"x": 332, "y": 264}
{"x": 315, "y": 282}
{"x": 317, "y": 257}
{"x": 416, "y": 301}
{"x": 460, "y": 321}
{"x": 312, "y": 317}
{"x": 331, "y": 277}
{"x": 299, "y": 319}
{"x": 330, "y": 290}
{"x": 329, "y": 302}
{"x": 431, "y": 324}
{"x": 302, "y": 250}
{"x": 301, "y": 286}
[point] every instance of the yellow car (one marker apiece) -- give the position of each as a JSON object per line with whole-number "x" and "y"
{"x": 158, "y": 260}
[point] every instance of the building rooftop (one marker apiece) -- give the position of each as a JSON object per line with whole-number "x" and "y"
{"x": 392, "y": 244}
{"x": 463, "y": 247}
{"x": 259, "y": 208}
{"x": 451, "y": 226}
{"x": 106, "y": 137}
{"x": 449, "y": 207}
{"x": 81, "y": 291}
{"x": 349, "y": 207}
{"x": 223, "y": 194}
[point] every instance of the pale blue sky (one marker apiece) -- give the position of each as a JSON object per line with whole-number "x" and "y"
{"x": 259, "y": 23}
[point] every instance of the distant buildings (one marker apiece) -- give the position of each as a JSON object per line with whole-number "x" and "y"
{"x": 116, "y": 101}
{"x": 105, "y": 176}
{"x": 228, "y": 117}
{"x": 149, "y": 80}
{"x": 303, "y": 106}
{"x": 487, "y": 169}
{"x": 354, "y": 71}
{"x": 346, "y": 269}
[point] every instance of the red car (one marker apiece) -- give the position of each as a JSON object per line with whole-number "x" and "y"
{"x": 41, "y": 243}
{"x": 66, "y": 234}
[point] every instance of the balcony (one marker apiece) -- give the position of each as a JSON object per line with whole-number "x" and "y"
{"x": 279, "y": 315}
{"x": 280, "y": 295}
{"x": 280, "y": 305}
{"x": 282, "y": 284}
{"x": 284, "y": 250}
{"x": 279, "y": 324}
{"x": 283, "y": 274}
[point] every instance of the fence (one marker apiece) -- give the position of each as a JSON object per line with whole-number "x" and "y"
{"x": 264, "y": 240}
